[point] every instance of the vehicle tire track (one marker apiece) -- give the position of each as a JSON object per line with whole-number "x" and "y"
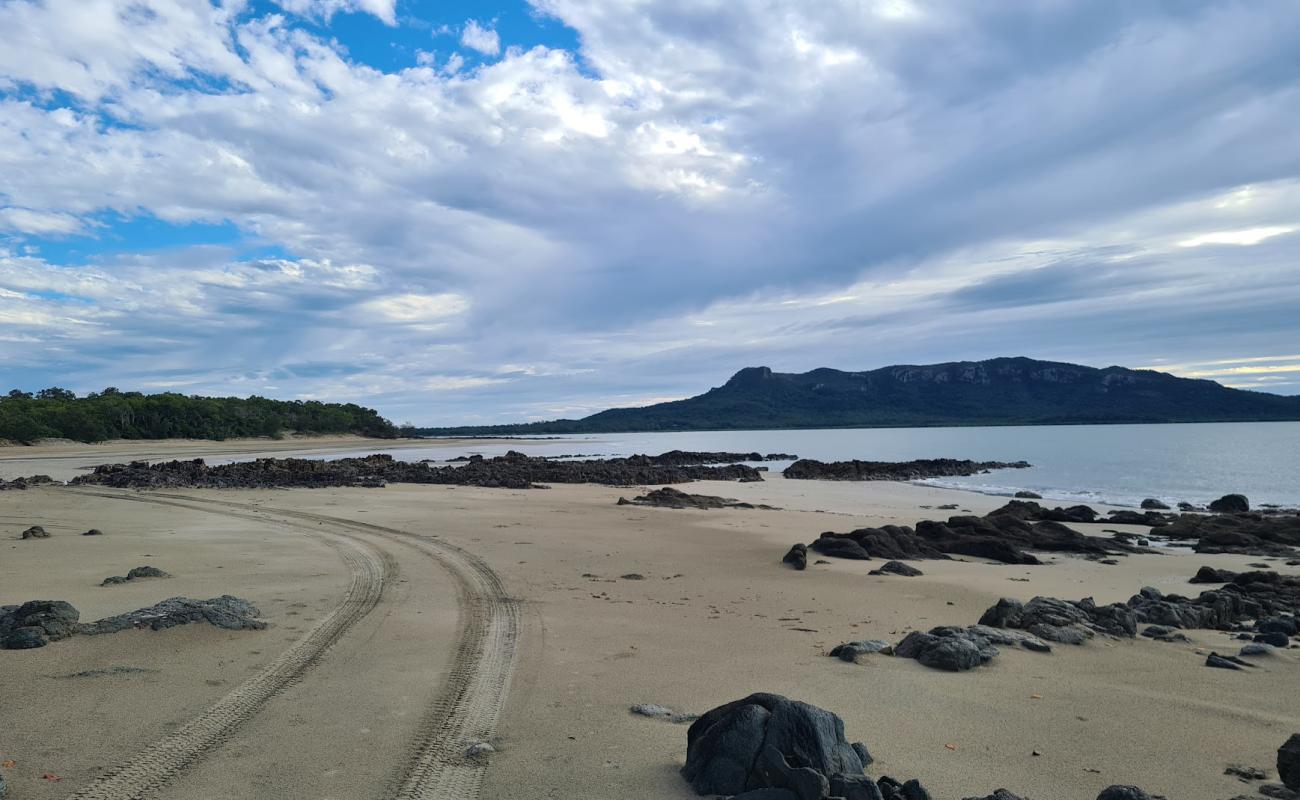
{"x": 470, "y": 704}
{"x": 151, "y": 768}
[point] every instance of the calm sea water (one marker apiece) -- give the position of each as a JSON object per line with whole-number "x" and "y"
{"x": 1113, "y": 464}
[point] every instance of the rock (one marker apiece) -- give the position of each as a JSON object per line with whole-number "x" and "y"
{"x": 849, "y": 651}
{"x": 797, "y": 557}
{"x": 1123, "y": 793}
{"x": 1129, "y": 517}
{"x": 93, "y": 532}
{"x": 1212, "y": 575}
{"x": 135, "y": 573}
{"x": 514, "y": 470}
{"x": 1288, "y": 762}
{"x": 1153, "y": 504}
{"x": 1277, "y": 791}
{"x": 479, "y": 749}
{"x": 1000, "y": 794}
{"x": 668, "y": 497}
{"x": 1256, "y": 650}
{"x": 35, "y": 623}
{"x": 1223, "y": 662}
{"x": 651, "y": 710}
{"x": 230, "y": 613}
{"x": 767, "y": 794}
{"x": 1245, "y": 773}
{"x": 810, "y": 469}
{"x": 1027, "y": 495}
{"x": 1231, "y": 504}
{"x": 947, "y": 648}
{"x": 724, "y": 746}
{"x": 1273, "y": 638}
{"x": 864, "y": 756}
{"x": 1286, "y": 625}
{"x": 897, "y": 568}
{"x": 35, "y": 532}
{"x": 1164, "y": 633}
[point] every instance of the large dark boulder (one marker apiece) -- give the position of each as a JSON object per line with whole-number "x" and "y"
{"x": 797, "y": 557}
{"x": 948, "y": 648}
{"x": 1212, "y": 575}
{"x": 1231, "y": 504}
{"x": 35, "y": 623}
{"x": 1123, "y": 793}
{"x": 767, "y": 741}
{"x": 897, "y": 568}
{"x": 36, "y": 532}
{"x": 1288, "y": 762}
{"x": 1153, "y": 504}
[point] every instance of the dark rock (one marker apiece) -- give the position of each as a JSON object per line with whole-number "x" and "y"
{"x": 1288, "y": 762}
{"x": 1000, "y": 794}
{"x": 1223, "y": 662}
{"x": 1244, "y": 773}
{"x": 1231, "y": 504}
{"x": 1274, "y": 638}
{"x": 1183, "y": 505}
{"x": 668, "y": 497}
{"x": 23, "y": 639}
{"x": 863, "y": 756}
{"x": 35, "y": 623}
{"x": 1027, "y": 495}
{"x": 35, "y": 532}
{"x": 514, "y": 470}
{"x": 93, "y": 532}
{"x": 725, "y": 744}
{"x": 849, "y": 651}
{"x": 226, "y": 612}
{"x": 947, "y": 648}
{"x": 1212, "y": 575}
{"x": 1289, "y": 626}
{"x": 1129, "y": 517}
{"x": 897, "y": 568}
{"x": 135, "y": 573}
{"x": 767, "y": 794}
{"x": 797, "y": 557}
{"x": 1153, "y": 504}
{"x": 1249, "y": 650}
{"x": 810, "y": 469}
{"x": 1123, "y": 793}
{"x": 1277, "y": 791}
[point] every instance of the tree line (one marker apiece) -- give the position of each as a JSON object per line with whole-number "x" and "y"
{"x": 55, "y": 413}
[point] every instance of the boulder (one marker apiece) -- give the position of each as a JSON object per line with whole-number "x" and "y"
{"x": 767, "y": 741}
{"x": 797, "y": 557}
{"x": 947, "y": 648}
{"x": 1288, "y": 762}
{"x": 1000, "y": 794}
{"x": 1123, "y": 793}
{"x": 136, "y": 573}
{"x": 849, "y": 651}
{"x": 35, "y": 532}
{"x": 93, "y": 532}
{"x": 1024, "y": 494}
{"x": 1153, "y": 504}
{"x": 1231, "y": 504}
{"x": 1212, "y": 575}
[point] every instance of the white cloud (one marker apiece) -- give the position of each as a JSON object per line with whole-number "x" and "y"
{"x": 385, "y": 10}
{"x": 1247, "y": 237}
{"x": 40, "y": 223}
{"x": 481, "y": 38}
{"x": 418, "y": 308}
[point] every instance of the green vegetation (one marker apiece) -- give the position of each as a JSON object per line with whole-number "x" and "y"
{"x": 59, "y": 414}
{"x": 1000, "y": 391}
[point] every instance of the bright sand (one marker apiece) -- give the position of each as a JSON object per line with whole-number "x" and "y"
{"x": 716, "y": 616}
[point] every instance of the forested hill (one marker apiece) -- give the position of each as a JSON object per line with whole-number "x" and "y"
{"x": 110, "y": 414}
{"x": 1000, "y": 391}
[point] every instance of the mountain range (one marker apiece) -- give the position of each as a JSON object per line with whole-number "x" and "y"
{"x": 999, "y": 391}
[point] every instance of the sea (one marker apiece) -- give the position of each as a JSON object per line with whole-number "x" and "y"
{"x": 1105, "y": 464}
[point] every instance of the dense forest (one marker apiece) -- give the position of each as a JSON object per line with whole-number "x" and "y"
{"x": 1000, "y": 391}
{"x": 59, "y": 414}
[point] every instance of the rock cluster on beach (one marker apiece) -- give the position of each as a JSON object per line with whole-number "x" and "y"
{"x": 811, "y": 469}
{"x": 134, "y": 574}
{"x": 668, "y": 497}
{"x": 1245, "y": 534}
{"x": 1002, "y": 535}
{"x": 25, "y": 483}
{"x": 513, "y": 470}
{"x": 768, "y": 747}
{"x": 36, "y": 623}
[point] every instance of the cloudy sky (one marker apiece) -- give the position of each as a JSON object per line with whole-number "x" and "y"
{"x": 490, "y": 211}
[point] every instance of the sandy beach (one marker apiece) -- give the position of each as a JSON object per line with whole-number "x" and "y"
{"x": 713, "y": 616}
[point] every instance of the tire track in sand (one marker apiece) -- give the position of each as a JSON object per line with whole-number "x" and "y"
{"x": 468, "y": 707}
{"x": 151, "y": 768}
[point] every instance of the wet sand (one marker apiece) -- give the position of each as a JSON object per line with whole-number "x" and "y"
{"x": 714, "y": 617}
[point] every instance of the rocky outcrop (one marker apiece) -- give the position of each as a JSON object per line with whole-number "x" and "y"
{"x": 1244, "y": 534}
{"x": 1231, "y": 504}
{"x": 811, "y": 469}
{"x": 39, "y": 622}
{"x": 25, "y": 483}
{"x": 668, "y": 497}
{"x": 134, "y": 574}
{"x": 1025, "y": 494}
{"x": 1155, "y": 519}
{"x": 1212, "y": 575}
{"x": 513, "y": 470}
{"x": 1269, "y": 600}
{"x": 1003, "y": 535}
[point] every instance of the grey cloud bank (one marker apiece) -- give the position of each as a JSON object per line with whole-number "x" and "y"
{"x": 699, "y": 189}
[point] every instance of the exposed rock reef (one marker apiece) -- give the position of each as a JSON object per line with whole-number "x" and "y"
{"x": 668, "y": 497}
{"x": 1247, "y": 534}
{"x": 25, "y": 483}
{"x": 1002, "y": 535}
{"x": 811, "y": 469}
{"x": 513, "y": 470}
{"x": 36, "y": 623}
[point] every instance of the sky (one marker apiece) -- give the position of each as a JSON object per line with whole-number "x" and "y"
{"x": 482, "y": 212}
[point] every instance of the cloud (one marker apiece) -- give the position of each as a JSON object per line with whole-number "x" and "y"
{"x": 483, "y": 39}
{"x": 700, "y": 187}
